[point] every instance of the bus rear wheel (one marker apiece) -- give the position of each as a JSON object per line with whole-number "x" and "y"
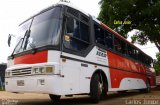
{"x": 147, "y": 89}
{"x": 54, "y": 97}
{"x": 97, "y": 88}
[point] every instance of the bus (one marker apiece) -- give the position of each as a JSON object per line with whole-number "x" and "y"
{"x": 64, "y": 51}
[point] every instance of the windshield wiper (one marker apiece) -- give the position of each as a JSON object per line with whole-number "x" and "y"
{"x": 26, "y": 37}
{"x": 16, "y": 47}
{"x": 27, "y": 42}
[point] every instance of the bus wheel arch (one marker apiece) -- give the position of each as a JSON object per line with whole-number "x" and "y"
{"x": 98, "y": 86}
{"x": 148, "y": 87}
{"x": 54, "y": 97}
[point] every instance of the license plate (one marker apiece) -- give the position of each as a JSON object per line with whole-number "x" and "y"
{"x": 20, "y": 82}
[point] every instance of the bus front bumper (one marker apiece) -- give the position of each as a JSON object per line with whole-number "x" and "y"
{"x": 48, "y": 84}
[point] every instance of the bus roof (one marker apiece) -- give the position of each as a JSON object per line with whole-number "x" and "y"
{"x": 72, "y": 6}
{"x": 58, "y": 4}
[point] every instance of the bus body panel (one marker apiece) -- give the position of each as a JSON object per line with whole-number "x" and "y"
{"x": 130, "y": 84}
{"x": 122, "y": 68}
{"x": 22, "y": 67}
{"x": 76, "y": 78}
{"x": 82, "y": 69}
{"x": 52, "y": 84}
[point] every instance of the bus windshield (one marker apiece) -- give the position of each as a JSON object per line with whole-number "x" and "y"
{"x": 44, "y": 29}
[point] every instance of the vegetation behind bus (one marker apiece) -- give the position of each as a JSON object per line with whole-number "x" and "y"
{"x": 142, "y": 14}
{"x": 157, "y": 64}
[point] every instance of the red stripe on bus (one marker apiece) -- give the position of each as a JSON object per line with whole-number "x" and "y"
{"x": 117, "y": 61}
{"x": 39, "y": 57}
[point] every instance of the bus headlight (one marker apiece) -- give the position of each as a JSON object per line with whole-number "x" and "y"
{"x": 49, "y": 70}
{"x": 43, "y": 70}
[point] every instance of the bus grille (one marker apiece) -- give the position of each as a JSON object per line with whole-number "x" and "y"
{"x": 21, "y": 72}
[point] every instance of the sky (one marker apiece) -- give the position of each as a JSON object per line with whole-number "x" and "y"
{"x": 13, "y": 12}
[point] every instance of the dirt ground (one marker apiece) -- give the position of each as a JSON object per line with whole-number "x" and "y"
{"x": 129, "y": 98}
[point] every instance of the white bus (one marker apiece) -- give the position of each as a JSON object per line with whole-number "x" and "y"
{"x": 65, "y": 51}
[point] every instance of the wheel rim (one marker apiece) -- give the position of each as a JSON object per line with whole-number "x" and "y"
{"x": 100, "y": 88}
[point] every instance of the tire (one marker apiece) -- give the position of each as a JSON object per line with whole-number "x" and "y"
{"x": 97, "y": 89}
{"x": 147, "y": 89}
{"x": 54, "y": 97}
{"x": 104, "y": 89}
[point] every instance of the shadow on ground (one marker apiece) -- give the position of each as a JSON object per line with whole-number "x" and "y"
{"x": 114, "y": 98}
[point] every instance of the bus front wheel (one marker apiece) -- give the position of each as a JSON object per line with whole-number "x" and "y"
{"x": 97, "y": 88}
{"x": 54, "y": 97}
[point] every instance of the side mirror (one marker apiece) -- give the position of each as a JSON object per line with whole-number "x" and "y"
{"x": 9, "y": 39}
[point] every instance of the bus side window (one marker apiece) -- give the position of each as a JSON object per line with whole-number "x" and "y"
{"x": 72, "y": 27}
{"x": 84, "y": 31}
{"x": 76, "y": 35}
{"x": 117, "y": 45}
{"x": 130, "y": 51}
{"x": 141, "y": 57}
{"x": 108, "y": 40}
{"x": 99, "y": 34}
{"x": 137, "y": 53}
{"x": 71, "y": 31}
{"x": 124, "y": 48}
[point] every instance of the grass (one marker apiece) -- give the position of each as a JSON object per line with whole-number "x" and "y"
{"x": 1, "y": 89}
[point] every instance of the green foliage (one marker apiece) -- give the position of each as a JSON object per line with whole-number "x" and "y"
{"x": 157, "y": 64}
{"x": 2, "y": 88}
{"x": 143, "y": 14}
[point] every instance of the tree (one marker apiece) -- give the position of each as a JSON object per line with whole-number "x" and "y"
{"x": 157, "y": 64}
{"x": 143, "y": 15}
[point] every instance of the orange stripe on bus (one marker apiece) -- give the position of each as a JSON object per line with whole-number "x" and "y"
{"x": 39, "y": 57}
